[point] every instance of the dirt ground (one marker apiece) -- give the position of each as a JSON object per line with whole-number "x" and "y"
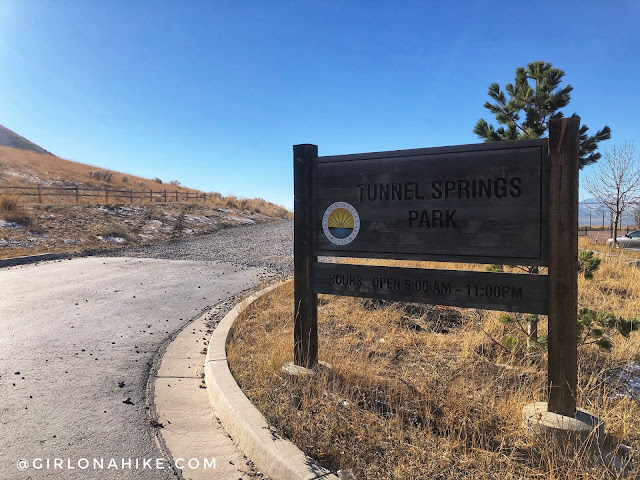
{"x": 80, "y": 228}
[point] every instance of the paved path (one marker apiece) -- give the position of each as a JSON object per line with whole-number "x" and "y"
{"x": 78, "y": 339}
{"x": 190, "y": 427}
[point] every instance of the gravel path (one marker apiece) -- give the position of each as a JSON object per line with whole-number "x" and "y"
{"x": 265, "y": 245}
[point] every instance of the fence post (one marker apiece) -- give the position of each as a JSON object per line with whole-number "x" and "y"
{"x": 106, "y": 194}
{"x": 150, "y": 195}
{"x": 77, "y": 194}
{"x": 176, "y": 195}
{"x": 165, "y": 195}
{"x": 131, "y": 195}
{"x": 39, "y": 193}
{"x": 187, "y": 195}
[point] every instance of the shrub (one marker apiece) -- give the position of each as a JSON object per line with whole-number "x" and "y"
{"x": 175, "y": 183}
{"x": 11, "y": 211}
{"x": 102, "y": 175}
{"x": 597, "y": 327}
{"x": 231, "y": 201}
{"x": 112, "y": 230}
{"x": 157, "y": 180}
{"x": 215, "y": 198}
{"x": 125, "y": 179}
{"x": 8, "y": 203}
{"x": 495, "y": 268}
{"x": 587, "y": 263}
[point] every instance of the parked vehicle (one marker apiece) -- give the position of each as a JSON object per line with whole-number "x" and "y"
{"x": 630, "y": 240}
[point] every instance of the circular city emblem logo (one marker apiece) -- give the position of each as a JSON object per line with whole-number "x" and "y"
{"x": 341, "y": 223}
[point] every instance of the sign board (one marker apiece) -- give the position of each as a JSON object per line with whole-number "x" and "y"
{"x": 483, "y": 203}
{"x": 512, "y": 203}
{"x": 488, "y": 290}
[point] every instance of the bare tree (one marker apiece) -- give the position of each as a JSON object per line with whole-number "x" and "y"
{"x": 636, "y": 214}
{"x": 615, "y": 181}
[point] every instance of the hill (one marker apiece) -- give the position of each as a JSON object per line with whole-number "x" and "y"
{"x": 19, "y": 167}
{"x": 9, "y": 138}
{"x": 62, "y": 224}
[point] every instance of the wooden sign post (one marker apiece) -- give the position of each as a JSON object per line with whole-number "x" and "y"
{"x": 305, "y": 334}
{"x": 562, "y": 362}
{"x": 511, "y": 203}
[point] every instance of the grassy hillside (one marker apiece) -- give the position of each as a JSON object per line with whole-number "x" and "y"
{"x": 61, "y": 225}
{"x": 27, "y": 168}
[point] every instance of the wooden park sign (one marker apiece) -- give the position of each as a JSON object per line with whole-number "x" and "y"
{"x": 512, "y": 203}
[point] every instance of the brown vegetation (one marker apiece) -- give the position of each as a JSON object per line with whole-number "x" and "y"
{"x": 422, "y": 391}
{"x": 12, "y": 211}
{"x": 60, "y": 225}
{"x": 71, "y": 228}
{"x": 26, "y": 168}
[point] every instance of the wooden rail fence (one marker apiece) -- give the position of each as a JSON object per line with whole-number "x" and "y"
{"x": 106, "y": 193}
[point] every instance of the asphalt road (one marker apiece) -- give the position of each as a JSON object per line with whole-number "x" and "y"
{"x": 78, "y": 338}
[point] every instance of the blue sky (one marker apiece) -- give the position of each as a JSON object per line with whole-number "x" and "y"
{"x": 215, "y": 93}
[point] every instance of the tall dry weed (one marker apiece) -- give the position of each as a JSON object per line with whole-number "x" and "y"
{"x": 12, "y": 211}
{"x": 8, "y": 203}
{"x": 425, "y": 391}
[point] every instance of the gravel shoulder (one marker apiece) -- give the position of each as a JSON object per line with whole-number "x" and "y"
{"x": 266, "y": 245}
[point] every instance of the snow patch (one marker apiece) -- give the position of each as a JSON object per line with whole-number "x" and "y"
{"x": 13, "y": 243}
{"x": 5, "y": 224}
{"x": 240, "y": 219}
{"x": 626, "y": 379}
{"x": 195, "y": 219}
{"x": 111, "y": 239}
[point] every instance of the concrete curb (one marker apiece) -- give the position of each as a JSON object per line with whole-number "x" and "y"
{"x": 278, "y": 458}
{"x": 10, "y": 262}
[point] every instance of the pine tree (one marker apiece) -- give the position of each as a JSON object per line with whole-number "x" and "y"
{"x": 536, "y": 93}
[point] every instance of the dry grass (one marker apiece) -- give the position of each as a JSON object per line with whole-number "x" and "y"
{"x": 22, "y": 167}
{"x": 59, "y": 225}
{"x": 12, "y": 211}
{"x": 25, "y": 168}
{"x": 253, "y": 205}
{"x": 8, "y": 203}
{"x": 70, "y": 228}
{"x": 423, "y": 392}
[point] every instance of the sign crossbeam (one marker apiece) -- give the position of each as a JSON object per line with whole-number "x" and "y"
{"x": 458, "y": 288}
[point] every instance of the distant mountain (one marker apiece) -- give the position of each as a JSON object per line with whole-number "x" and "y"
{"x": 596, "y": 209}
{"x": 9, "y": 138}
